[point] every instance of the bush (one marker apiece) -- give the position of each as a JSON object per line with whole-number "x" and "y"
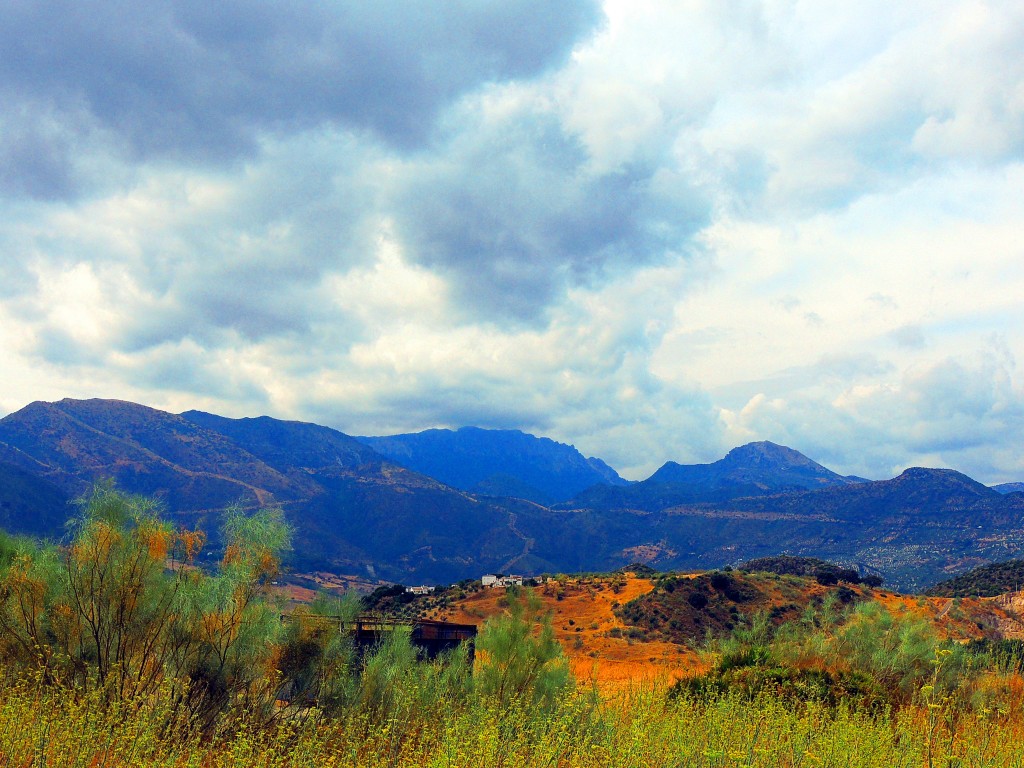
{"x": 520, "y": 660}
{"x": 106, "y": 613}
{"x": 697, "y": 600}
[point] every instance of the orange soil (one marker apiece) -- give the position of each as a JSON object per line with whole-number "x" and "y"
{"x": 956, "y": 619}
{"x": 582, "y": 613}
{"x": 581, "y": 619}
{"x": 614, "y": 663}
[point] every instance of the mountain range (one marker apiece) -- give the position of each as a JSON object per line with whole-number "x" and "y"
{"x": 497, "y": 462}
{"x": 443, "y": 505}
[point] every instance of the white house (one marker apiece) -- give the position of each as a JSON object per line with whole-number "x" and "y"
{"x": 490, "y": 580}
{"x": 421, "y": 590}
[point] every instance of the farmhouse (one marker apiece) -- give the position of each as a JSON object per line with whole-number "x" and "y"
{"x": 492, "y": 580}
{"x": 420, "y": 590}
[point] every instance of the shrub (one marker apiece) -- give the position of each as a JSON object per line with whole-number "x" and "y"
{"x": 520, "y": 660}
{"x": 106, "y": 613}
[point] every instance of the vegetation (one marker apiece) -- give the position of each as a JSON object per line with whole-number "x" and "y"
{"x": 986, "y": 581}
{"x": 116, "y": 650}
{"x": 56, "y": 727}
{"x": 865, "y": 656}
{"x": 688, "y": 608}
{"x": 822, "y": 570}
{"x": 123, "y": 610}
{"x": 640, "y": 569}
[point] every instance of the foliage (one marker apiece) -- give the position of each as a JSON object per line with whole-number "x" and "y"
{"x": 985, "y": 581}
{"x": 116, "y": 651}
{"x": 520, "y": 660}
{"x": 122, "y": 610}
{"x": 49, "y": 727}
{"x": 822, "y": 570}
{"x": 866, "y": 655}
{"x": 686, "y": 608}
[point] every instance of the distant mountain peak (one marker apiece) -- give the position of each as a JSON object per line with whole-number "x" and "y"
{"x": 765, "y": 452}
{"x": 946, "y": 478}
{"x": 1008, "y": 488}
{"x": 498, "y": 462}
{"x": 760, "y": 465}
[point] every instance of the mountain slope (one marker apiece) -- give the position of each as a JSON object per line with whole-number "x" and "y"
{"x": 76, "y": 442}
{"x": 754, "y": 469}
{"x": 1009, "y": 487}
{"x": 356, "y": 512}
{"x": 30, "y": 504}
{"x": 985, "y": 581}
{"x": 918, "y": 493}
{"x": 497, "y": 462}
{"x": 764, "y": 465}
{"x": 352, "y": 510}
{"x": 285, "y": 445}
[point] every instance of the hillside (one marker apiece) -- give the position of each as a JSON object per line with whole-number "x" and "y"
{"x": 689, "y": 608}
{"x": 918, "y": 493}
{"x": 985, "y": 581}
{"x": 287, "y": 445}
{"x": 763, "y": 465}
{"x": 497, "y": 462}
{"x": 30, "y": 504}
{"x": 618, "y": 629}
{"x": 822, "y": 571}
{"x": 352, "y": 510}
{"x": 144, "y": 450}
{"x": 1009, "y": 487}
{"x": 600, "y": 646}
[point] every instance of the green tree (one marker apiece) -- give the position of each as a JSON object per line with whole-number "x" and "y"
{"x": 123, "y": 608}
{"x": 519, "y": 658}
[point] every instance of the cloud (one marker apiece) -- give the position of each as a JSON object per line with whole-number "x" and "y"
{"x": 648, "y": 229}
{"x": 200, "y": 82}
{"x": 868, "y": 99}
{"x": 514, "y": 212}
{"x": 908, "y": 337}
{"x": 950, "y": 413}
{"x": 583, "y": 378}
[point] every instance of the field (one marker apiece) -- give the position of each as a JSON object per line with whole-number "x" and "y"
{"x": 639, "y": 730}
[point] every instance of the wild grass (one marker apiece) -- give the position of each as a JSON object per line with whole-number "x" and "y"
{"x": 47, "y": 726}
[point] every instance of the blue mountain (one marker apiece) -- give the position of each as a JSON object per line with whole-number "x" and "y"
{"x": 497, "y": 462}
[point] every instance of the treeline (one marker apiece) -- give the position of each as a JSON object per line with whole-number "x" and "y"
{"x": 984, "y": 581}
{"x": 862, "y": 655}
{"x": 822, "y": 571}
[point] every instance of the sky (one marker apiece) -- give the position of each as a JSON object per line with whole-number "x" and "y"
{"x": 653, "y": 229}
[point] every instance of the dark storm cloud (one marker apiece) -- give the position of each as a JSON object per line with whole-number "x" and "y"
{"x": 513, "y": 213}
{"x": 199, "y": 80}
{"x": 35, "y": 156}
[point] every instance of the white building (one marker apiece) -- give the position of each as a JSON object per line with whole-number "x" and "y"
{"x": 421, "y": 590}
{"x": 490, "y": 580}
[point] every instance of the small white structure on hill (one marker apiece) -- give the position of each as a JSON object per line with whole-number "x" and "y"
{"x": 421, "y": 590}
{"x": 490, "y": 580}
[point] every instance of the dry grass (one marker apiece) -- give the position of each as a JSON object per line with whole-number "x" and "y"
{"x": 51, "y": 729}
